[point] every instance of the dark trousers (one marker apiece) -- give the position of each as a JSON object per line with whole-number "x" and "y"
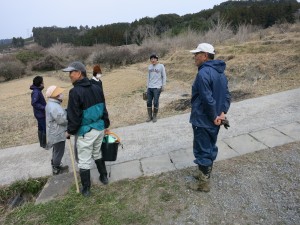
{"x": 58, "y": 153}
{"x": 42, "y": 125}
{"x": 204, "y": 145}
{"x": 153, "y": 96}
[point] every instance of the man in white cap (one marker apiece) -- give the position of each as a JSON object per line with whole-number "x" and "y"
{"x": 88, "y": 120}
{"x": 56, "y": 125}
{"x": 210, "y": 102}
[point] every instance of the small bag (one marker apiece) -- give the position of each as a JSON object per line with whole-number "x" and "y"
{"x": 109, "y": 147}
{"x": 145, "y": 97}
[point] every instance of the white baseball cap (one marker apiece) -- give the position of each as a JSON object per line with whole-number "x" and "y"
{"x": 204, "y": 47}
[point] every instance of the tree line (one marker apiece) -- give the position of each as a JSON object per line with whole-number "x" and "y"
{"x": 263, "y": 13}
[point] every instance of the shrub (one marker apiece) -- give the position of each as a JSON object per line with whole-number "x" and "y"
{"x": 114, "y": 56}
{"x": 157, "y": 45}
{"x": 47, "y": 64}
{"x": 218, "y": 33}
{"x": 26, "y": 56}
{"x": 243, "y": 33}
{"x": 143, "y": 53}
{"x": 11, "y": 70}
{"x": 125, "y": 55}
{"x": 186, "y": 40}
{"x": 59, "y": 50}
{"x": 80, "y": 53}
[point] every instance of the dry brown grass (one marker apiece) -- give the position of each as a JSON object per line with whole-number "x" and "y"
{"x": 259, "y": 67}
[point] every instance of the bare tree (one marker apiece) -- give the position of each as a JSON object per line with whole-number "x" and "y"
{"x": 219, "y": 32}
{"x": 244, "y": 32}
{"x": 142, "y": 32}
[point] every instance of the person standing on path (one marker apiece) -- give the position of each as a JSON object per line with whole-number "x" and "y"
{"x": 97, "y": 73}
{"x": 210, "y": 102}
{"x": 156, "y": 81}
{"x": 38, "y": 103}
{"x": 56, "y": 125}
{"x": 88, "y": 119}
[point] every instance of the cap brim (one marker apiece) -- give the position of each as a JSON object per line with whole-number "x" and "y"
{"x": 69, "y": 69}
{"x": 57, "y": 92}
{"x": 194, "y": 51}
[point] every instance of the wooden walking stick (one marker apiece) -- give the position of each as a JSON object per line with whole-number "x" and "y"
{"x": 73, "y": 164}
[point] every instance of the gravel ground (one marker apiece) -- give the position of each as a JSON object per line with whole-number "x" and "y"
{"x": 256, "y": 188}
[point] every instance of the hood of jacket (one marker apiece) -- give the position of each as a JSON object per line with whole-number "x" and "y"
{"x": 33, "y": 87}
{"x": 84, "y": 82}
{"x": 218, "y": 65}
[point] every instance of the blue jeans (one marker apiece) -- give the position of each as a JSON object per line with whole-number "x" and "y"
{"x": 204, "y": 145}
{"x": 153, "y": 95}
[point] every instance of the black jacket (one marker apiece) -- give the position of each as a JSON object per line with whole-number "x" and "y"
{"x": 86, "y": 108}
{"x": 97, "y": 83}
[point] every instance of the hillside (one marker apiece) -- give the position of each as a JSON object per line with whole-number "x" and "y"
{"x": 264, "y": 65}
{"x": 234, "y": 13}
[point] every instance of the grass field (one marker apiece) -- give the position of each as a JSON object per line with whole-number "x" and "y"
{"x": 254, "y": 68}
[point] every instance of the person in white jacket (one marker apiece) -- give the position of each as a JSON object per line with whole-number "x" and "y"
{"x": 56, "y": 125}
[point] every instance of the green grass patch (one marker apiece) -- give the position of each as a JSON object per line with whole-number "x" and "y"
{"x": 140, "y": 201}
{"x": 31, "y": 186}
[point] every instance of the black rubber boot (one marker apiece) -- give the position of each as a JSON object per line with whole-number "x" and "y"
{"x": 42, "y": 139}
{"x": 44, "y": 142}
{"x": 85, "y": 177}
{"x": 202, "y": 179}
{"x": 60, "y": 169}
{"x": 206, "y": 170}
{"x": 149, "y": 109}
{"x": 102, "y": 171}
{"x": 155, "y": 115}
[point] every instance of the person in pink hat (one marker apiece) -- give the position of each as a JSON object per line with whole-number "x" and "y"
{"x": 56, "y": 125}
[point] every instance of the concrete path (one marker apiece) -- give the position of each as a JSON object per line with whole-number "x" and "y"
{"x": 153, "y": 148}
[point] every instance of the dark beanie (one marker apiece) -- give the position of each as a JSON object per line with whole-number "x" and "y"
{"x": 153, "y": 55}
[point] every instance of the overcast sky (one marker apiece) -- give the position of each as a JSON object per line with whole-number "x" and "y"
{"x": 18, "y": 17}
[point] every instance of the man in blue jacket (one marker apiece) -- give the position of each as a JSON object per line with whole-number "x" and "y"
{"x": 210, "y": 102}
{"x": 88, "y": 120}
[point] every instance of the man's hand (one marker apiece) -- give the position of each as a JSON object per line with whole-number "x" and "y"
{"x": 162, "y": 89}
{"x": 67, "y": 135}
{"x": 219, "y": 119}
